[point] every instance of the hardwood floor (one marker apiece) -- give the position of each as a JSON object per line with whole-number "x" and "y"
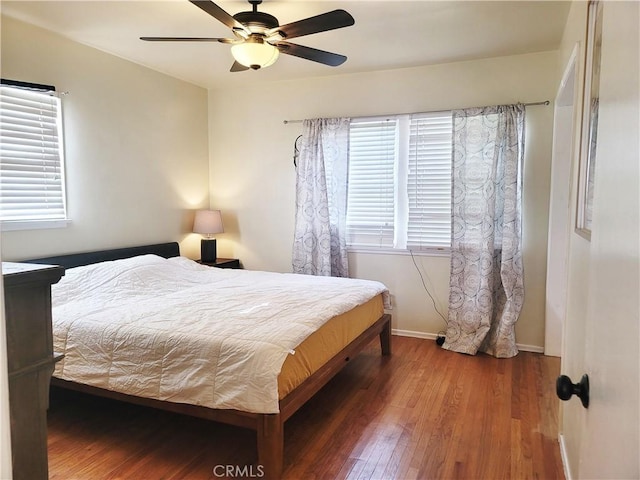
{"x": 422, "y": 413}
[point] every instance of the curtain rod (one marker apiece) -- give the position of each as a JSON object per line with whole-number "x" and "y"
{"x": 532, "y": 104}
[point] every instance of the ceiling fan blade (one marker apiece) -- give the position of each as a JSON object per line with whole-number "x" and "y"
{"x": 219, "y": 14}
{"x": 187, "y": 39}
{"x": 313, "y": 54}
{"x": 319, "y": 23}
{"x": 238, "y": 67}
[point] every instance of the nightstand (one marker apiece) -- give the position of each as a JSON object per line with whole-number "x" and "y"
{"x": 222, "y": 263}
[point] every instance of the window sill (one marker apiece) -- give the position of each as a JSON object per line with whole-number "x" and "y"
{"x": 434, "y": 252}
{"x": 16, "y": 225}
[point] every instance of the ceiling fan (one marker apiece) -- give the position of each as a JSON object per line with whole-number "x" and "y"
{"x": 259, "y": 38}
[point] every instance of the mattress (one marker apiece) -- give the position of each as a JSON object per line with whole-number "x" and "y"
{"x": 174, "y": 330}
{"x": 326, "y": 342}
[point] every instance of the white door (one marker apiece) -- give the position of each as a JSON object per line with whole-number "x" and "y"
{"x": 603, "y": 440}
{"x": 560, "y": 209}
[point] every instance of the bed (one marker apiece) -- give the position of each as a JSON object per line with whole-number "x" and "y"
{"x": 262, "y": 375}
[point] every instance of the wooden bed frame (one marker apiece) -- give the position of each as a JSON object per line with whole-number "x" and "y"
{"x": 269, "y": 427}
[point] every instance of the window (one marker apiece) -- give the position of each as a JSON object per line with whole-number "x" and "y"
{"x": 400, "y": 182}
{"x": 31, "y": 159}
{"x": 371, "y": 195}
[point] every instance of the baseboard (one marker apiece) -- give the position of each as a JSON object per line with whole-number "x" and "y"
{"x": 563, "y": 457}
{"x": 410, "y": 333}
{"x": 432, "y": 336}
{"x": 530, "y": 348}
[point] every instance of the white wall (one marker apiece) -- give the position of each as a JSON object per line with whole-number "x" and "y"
{"x": 252, "y": 176}
{"x": 136, "y": 146}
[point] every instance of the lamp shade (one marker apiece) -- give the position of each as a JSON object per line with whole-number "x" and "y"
{"x": 255, "y": 54}
{"x": 208, "y": 222}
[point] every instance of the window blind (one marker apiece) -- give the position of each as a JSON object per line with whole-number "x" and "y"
{"x": 400, "y": 182}
{"x": 371, "y": 193}
{"x": 429, "y": 181}
{"x": 31, "y": 161}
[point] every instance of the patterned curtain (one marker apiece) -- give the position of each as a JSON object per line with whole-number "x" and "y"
{"x": 486, "y": 287}
{"x": 319, "y": 245}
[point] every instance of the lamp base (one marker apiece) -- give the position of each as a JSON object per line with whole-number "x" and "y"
{"x": 208, "y": 250}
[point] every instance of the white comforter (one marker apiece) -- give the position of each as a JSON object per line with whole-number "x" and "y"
{"x": 178, "y": 331}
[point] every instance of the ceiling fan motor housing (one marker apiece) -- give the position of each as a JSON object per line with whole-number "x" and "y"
{"x": 263, "y": 21}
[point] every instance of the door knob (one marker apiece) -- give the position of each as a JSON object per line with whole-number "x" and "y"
{"x": 565, "y": 388}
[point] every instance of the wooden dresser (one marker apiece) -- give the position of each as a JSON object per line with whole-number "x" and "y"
{"x": 30, "y": 357}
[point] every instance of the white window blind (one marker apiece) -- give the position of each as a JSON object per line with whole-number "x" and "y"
{"x": 399, "y": 193}
{"x": 31, "y": 161}
{"x": 371, "y": 194}
{"x": 429, "y": 181}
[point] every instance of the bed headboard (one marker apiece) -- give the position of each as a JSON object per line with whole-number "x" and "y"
{"x": 166, "y": 250}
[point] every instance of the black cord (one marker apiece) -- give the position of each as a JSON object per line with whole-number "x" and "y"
{"x": 425, "y": 287}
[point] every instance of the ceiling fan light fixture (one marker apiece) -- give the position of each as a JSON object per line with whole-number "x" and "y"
{"x": 255, "y": 53}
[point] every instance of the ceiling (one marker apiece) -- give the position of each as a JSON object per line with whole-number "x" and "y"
{"x": 386, "y": 34}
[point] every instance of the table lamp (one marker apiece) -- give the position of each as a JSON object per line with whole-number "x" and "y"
{"x": 208, "y": 222}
